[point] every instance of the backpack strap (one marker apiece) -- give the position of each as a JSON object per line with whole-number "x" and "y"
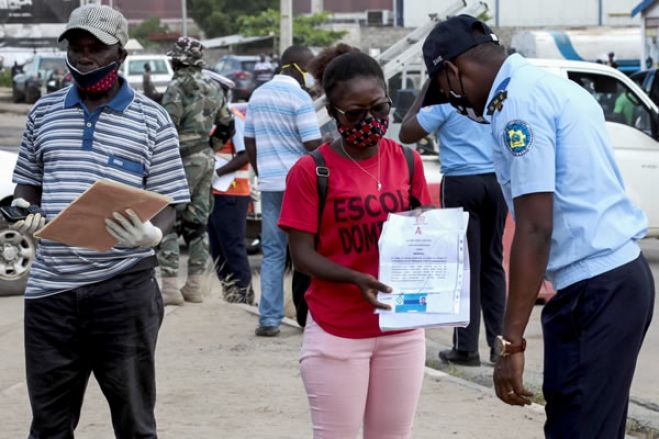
{"x": 322, "y": 178}
{"x": 409, "y": 159}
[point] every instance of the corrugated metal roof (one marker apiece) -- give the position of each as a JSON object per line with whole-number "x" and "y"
{"x": 231, "y": 40}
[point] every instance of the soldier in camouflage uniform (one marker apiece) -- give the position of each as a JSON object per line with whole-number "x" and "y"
{"x": 195, "y": 104}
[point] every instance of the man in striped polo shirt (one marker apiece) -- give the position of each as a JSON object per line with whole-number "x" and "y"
{"x": 87, "y": 311}
{"x": 281, "y": 126}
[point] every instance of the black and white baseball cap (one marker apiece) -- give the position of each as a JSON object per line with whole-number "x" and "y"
{"x": 105, "y": 23}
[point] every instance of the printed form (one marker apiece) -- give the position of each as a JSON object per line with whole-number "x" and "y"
{"x": 424, "y": 258}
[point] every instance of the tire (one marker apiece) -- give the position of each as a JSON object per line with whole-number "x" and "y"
{"x": 31, "y": 95}
{"x": 17, "y": 252}
{"x": 16, "y": 96}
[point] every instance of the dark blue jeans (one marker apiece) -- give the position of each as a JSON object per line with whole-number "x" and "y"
{"x": 226, "y": 235}
{"x": 108, "y": 328}
{"x": 593, "y": 331}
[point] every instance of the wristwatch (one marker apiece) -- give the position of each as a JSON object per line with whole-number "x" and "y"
{"x": 504, "y": 347}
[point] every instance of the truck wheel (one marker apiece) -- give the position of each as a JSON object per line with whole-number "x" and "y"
{"x": 32, "y": 95}
{"x": 16, "y": 96}
{"x": 17, "y": 251}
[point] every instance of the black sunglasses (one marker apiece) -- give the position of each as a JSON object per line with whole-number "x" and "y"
{"x": 380, "y": 111}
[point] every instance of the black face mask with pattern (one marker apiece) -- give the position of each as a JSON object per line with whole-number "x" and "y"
{"x": 98, "y": 80}
{"x": 364, "y": 134}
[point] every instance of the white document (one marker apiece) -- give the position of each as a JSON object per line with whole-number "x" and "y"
{"x": 222, "y": 183}
{"x": 425, "y": 259}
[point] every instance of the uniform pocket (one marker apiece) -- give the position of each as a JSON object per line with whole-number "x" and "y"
{"x": 124, "y": 164}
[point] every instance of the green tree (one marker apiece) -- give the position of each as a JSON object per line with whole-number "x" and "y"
{"x": 142, "y": 31}
{"x": 306, "y": 28}
{"x": 220, "y": 17}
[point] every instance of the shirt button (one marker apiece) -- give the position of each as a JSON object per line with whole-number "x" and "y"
{"x": 89, "y": 124}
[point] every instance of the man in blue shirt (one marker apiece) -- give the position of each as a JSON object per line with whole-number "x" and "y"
{"x": 574, "y": 224}
{"x": 465, "y": 154}
{"x": 88, "y": 311}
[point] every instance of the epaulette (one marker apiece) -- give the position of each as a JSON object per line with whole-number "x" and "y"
{"x": 500, "y": 95}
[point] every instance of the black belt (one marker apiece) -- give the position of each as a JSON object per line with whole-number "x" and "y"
{"x": 144, "y": 264}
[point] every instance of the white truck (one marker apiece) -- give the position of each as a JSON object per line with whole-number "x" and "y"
{"x": 587, "y": 44}
{"x": 634, "y": 133}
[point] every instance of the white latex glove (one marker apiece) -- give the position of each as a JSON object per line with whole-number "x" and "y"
{"x": 130, "y": 231}
{"x": 31, "y": 223}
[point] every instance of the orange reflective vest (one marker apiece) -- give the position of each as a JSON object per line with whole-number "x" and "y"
{"x": 240, "y": 185}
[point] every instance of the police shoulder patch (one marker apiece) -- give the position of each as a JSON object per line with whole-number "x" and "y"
{"x": 518, "y": 137}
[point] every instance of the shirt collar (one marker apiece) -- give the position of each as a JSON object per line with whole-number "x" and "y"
{"x": 509, "y": 66}
{"x": 286, "y": 78}
{"x": 118, "y": 103}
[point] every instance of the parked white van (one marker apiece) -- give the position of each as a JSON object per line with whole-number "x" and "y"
{"x": 161, "y": 71}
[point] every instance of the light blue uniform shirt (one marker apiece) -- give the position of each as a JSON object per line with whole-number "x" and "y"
{"x": 552, "y": 138}
{"x": 465, "y": 146}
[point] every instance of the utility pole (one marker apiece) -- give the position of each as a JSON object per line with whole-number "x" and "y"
{"x": 316, "y": 6}
{"x": 285, "y": 25}
{"x": 184, "y": 18}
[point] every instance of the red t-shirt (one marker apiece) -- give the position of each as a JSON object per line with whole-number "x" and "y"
{"x": 350, "y": 228}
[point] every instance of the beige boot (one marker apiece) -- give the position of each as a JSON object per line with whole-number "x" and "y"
{"x": 170, "y": 293}
{"x": 192, "y": 289}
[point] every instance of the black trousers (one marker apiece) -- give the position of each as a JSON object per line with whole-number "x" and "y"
{"x": 226, "y": 235}
{"x": 109, "y": 328}
{"x": 481, "y": 196}
{"x": 593, "y": 331}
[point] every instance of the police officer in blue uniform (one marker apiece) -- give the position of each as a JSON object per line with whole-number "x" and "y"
{"x": 465, "y": 152}
{"x": 574, "y": 224}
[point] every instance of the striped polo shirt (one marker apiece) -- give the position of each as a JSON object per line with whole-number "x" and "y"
{"x": 280, "y": 117}
{"x": 65, "y": 149}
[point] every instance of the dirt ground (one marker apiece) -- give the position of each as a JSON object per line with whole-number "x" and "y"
{"x": 217, "y": 380}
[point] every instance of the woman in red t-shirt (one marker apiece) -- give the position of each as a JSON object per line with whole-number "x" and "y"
{"x": 353, "y": 373}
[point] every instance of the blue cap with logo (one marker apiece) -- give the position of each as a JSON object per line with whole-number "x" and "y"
{"x": 448, "y": 40}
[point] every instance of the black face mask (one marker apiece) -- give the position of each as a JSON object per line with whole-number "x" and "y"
{"x": 461, "y": 103}
{"x": 97, "y": 80}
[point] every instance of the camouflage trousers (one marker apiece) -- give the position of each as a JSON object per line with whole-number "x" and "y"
{"x": 191, "y": 218}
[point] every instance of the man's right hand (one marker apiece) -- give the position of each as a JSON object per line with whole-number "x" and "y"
{"x": 369, "y": 287}
{"x": 31, "y": 223}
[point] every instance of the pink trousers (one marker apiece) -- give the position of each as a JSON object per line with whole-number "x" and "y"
{"x": 371, "y": 381}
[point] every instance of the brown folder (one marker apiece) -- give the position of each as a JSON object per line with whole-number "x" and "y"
{"x": 82, "y": 223}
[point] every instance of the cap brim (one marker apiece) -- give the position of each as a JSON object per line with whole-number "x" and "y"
{"x": 103, "y": 37}
{"x": 433, "y": 95}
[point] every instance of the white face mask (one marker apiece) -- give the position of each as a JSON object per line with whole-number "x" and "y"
{"x": 309, "y": 80}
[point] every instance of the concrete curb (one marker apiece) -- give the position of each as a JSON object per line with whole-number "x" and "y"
{"x": 14, "y": 109}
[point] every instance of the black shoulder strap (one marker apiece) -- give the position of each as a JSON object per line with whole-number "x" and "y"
{"x": 409, "y": 158}
{"x": 322, "y": 177}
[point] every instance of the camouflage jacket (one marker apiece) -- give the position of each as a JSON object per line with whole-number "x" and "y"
{"x": 195, "y": 104}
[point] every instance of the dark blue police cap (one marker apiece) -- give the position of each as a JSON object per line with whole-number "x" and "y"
{"x": 448, "y": 40}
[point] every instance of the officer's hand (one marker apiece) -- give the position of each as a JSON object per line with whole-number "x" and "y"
{"x": 31, "y": 223}
{"x": 130, "y": 231}
{"x": 508, "y": 380}
{"x": 369, "y": 287}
